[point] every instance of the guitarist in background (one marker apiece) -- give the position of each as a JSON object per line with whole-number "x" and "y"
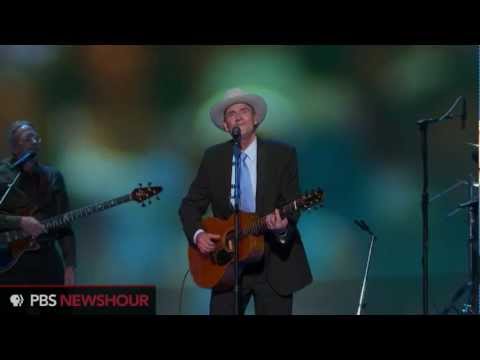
{"x": 39, "y": 193}
{"x": 269, "y": 178}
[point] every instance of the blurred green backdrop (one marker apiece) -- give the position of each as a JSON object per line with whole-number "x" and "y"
{"x": 140, "y": 113}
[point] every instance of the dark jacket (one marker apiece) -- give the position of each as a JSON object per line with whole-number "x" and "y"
{"x": 42, "y": 195}
{"x": 286, "y": 265}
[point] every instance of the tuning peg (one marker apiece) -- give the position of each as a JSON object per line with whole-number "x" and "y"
{"x": 157, "y": 197}
{"x": 143, "y": 204}
{"x": 149, "y": 202}
{"x": 149, "y": 184}
{"x": 140, "y": 184}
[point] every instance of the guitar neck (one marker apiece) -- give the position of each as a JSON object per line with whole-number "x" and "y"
{"x": 139, "y": 195}
{"x": 66, "y": 218}
{"x": 260, "y": 226}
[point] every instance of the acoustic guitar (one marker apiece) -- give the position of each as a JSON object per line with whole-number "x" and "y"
{"x": 216, "y": 269}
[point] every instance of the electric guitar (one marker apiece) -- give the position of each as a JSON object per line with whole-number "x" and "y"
{"x": 14, "y": 243}
{"x": 216, "y": 270}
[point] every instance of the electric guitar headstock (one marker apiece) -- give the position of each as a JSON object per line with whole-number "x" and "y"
{"x": 143, "y": 193}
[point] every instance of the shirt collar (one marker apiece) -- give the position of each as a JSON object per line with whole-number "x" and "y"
{"x": 251, "y": 150}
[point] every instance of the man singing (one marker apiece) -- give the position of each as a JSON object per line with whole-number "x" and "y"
{"x": 268, "y": 179}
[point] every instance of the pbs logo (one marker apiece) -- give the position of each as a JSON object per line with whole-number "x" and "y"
{"x": 16, "y": 300}
{"x": 41, "y": 300}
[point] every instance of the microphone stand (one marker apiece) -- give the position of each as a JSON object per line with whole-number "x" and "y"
{"x": 237, "y": 153}
{"x": 27, "y": 156}
{"x": 361, "y": 302}
{"x": 473, "y": 215}
{"x": 474, "y": 218}
{"x": 423, "y": 126}
{"x": 473, "y": 252}
{"x": 473, "y": 304}
{"x": 9, "y": 187}
{"x": 473, "y": 247}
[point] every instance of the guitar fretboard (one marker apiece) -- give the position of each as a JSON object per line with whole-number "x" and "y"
{"x": 66, "y": 218}
{"x": 260, "y": 226}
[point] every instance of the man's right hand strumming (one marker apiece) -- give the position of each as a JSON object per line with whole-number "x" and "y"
{"x": 31, "y": 226}
{"x": 206, "y": 242}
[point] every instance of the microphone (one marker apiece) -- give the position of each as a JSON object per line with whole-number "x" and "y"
{"x": 236, "y": 133}
{"x": 464, "y": 112}
{"x": 29, "y": 155}
{"x": 363, "y": 225}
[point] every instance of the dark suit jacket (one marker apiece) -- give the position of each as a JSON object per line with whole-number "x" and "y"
{"x": 286, "y": 265}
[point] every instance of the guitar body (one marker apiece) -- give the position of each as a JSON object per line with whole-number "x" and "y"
{"x": 11, "y": 253}
{"x": 12, "y": 249}
{"x": 216, "y": 270}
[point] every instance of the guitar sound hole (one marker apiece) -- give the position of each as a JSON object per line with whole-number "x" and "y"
{"x": 222, "y": 257}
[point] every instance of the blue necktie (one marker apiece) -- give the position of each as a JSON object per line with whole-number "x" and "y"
{"x": 247, "y": 200}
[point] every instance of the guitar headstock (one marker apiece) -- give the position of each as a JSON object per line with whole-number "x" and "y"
{"x": 143, "y": 193}
{"x": 311, "y": 199}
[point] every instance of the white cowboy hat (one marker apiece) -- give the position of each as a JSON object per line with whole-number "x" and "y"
{"x": 236, "y": 96}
